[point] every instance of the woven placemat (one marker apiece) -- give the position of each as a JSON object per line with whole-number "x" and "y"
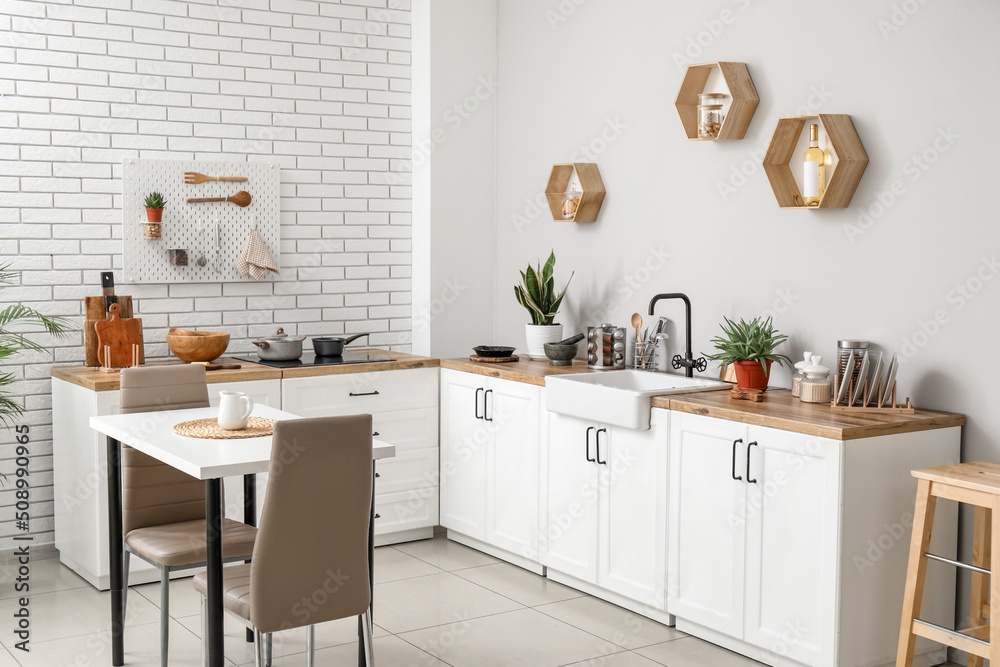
{"x": 209, "y": 428}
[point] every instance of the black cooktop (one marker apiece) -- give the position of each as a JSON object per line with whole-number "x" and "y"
{"x": 310, "y": 359}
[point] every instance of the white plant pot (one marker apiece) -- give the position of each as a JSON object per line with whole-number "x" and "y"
{"x": 540, "y": 334}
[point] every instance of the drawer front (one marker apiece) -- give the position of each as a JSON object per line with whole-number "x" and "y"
{"x": 356, "y": 393}
{"x": 408, "y": 429}
{"x": 406, "y": 510}
{"x": 411, "y": 470}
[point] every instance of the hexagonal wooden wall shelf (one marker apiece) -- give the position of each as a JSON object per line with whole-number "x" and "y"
{"x": 591, "y": 186}
{"x": 842, "y": 140}
{"x": 741, "y": 91}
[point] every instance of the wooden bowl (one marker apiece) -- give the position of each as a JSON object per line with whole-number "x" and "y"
{"x": 197, "y": 345}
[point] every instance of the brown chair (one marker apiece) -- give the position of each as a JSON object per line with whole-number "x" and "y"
{"x": 312, "y": 542}
{"x": 163, "y": 519}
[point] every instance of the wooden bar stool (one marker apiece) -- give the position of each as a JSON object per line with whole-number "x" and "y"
{"x": 975, "y": 484}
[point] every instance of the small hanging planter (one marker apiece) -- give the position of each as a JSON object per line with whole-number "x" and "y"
{"x": 154, "y": 207}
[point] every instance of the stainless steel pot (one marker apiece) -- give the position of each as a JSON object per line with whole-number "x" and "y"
{"x": 333, "y": 346}
{"x": 279, "y": 347}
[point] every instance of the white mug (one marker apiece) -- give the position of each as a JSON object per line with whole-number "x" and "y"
{"x": 231, "y": 415}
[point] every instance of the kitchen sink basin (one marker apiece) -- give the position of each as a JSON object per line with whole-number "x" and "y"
{"x": 621, "y": 398}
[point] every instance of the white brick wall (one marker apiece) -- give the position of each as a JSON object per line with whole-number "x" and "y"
{"x": 319, "y": 86}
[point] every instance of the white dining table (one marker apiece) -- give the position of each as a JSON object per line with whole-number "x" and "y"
{"x": 206, "y": 459}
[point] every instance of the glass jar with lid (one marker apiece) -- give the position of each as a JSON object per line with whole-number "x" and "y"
{"x": 710, "y": 115}
{"x": 815, "y": 386}
{"x": 799, "y": 373}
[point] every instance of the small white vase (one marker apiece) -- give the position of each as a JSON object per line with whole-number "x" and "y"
{"x": 540, "y": 334}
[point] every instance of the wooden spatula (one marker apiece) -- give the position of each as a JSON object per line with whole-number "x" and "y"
{"x": 241, "y": 198}
{"x": 193, "y": 178}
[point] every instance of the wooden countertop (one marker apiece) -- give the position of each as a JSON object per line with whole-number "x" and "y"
{"x": 781, "y": 410}
{"x": 90, "y": 378}
{"x": 525, "y": 370}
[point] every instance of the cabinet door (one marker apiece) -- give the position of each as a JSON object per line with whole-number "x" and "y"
{"x": 513, "y": 409}
{"x": 792, "y": 514}
{"x": 569, "y": 541}
{"x": 705, "y": 571}
{"x": 464, "y": 441}
{"x": 633, "y": 515}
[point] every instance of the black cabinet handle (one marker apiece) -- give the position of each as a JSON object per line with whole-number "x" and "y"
{"x": 376, "y": 434}
{"x": 733, "y": 473}
{"x": 378, "y": 516}
{"x": 597, "y": 439}
{"x": 490, "y": 418}
{"x": 589, "y": 429}
{"x": 750, "y": 479}
{"x": 479, "y": 389}
{"x": 377, "y": 475}
{"x": 367, "y": 393}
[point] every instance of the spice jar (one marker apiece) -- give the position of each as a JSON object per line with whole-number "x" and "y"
{"x": 178, "y": 257}
{"x": 844, "y": 349}
{"x": 799, "y": 373}
{"x": 710, "y": 115}
{"x": 815, "y": 386}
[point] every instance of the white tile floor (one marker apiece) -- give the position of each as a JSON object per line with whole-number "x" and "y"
{"x": 437, "y": 603}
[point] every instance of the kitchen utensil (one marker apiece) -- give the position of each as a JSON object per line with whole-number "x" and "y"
{"x": 495, "y": 351}
{"x": 241, "y": 198}
{"x": 280, "y": 346}
{"x": 890, "y": 381}
{"x": 197, "y": 346}
{"x": 116, "y": 338}
{"x": 572, "y": 340}
{"x": 108, "y": 289}
{"x": 845, "y": 380}
{"x": 859, "y": 383}
{"x": 193, "y": 178}
{"x": 636, "y": 324}
{"x": 218, "y": 243}
{"x": 96, "y": 310}
{"x": 234, "y": 410}
{"x": 875, "y": 386}
{"x": 560, "y": 355}
{"x": 333, "y": 346}
{"x": 202, "y": 260}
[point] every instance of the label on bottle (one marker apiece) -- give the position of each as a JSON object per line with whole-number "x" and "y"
{"x": 810, "y": 179}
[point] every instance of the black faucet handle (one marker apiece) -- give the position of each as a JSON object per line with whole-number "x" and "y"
{"x": 677, "y": 362}
{"x": 701, "y": 364}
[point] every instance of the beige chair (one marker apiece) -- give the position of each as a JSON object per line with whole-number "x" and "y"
{"x": 312, "y": 542}
{"x": 163, "y": 519}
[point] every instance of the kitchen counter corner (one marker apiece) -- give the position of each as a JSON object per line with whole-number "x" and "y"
{"x": 525, "y": 370}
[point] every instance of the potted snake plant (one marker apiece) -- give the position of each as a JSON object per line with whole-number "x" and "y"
{"x": 750, "y": 347}
{"x": 537, "y": 294}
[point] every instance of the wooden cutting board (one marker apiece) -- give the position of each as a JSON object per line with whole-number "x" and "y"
{"x": 94, "y": 309}
{"x": 119, "y": 336}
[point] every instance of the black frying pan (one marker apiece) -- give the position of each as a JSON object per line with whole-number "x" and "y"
{"x": 331, "y": 346}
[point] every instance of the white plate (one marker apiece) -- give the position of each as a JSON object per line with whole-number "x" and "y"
{"x": 862, "y": 374}
{"x": 890, "y": 381}
{"x": 846, "y": 380}
{"x": 876, "y": 376}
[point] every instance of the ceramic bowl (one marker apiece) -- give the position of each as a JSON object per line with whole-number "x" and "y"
{"x": 560, "y": 355}
{"x": 194, "y": 346}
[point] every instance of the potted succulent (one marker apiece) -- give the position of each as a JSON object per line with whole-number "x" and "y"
{"x": 538, "y": 295}
{"x": 750, "y": 346}
{"x": 152, "y": 229}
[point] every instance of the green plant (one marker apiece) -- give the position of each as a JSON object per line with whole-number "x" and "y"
{"x": 12, "y": 342}
{"x": 537, "y": 292}
{"x": 155, "y": 200}
{"x": 755, "y": 340}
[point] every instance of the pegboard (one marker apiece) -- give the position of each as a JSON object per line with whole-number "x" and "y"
{"x": 191, "y": 226}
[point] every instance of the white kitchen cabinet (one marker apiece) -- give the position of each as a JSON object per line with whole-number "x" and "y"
{"x": 490, "y": 438}
{"x": 765, "y": 539}
{"x": 80, "y": 476}
{"x": 404, "y": 409}
{"x": 606, "y": 506}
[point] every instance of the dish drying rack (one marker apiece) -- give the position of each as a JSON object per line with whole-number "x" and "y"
{"x": 892, "y": 408}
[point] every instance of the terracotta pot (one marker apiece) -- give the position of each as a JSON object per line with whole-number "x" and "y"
{"x": 154, "y": 214}
{"x": 750, "y": 375}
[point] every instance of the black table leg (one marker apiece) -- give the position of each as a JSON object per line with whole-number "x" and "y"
{"x": 371, "y": 574}
{"x": 250, "y": 515}
{"x": 213, "y": 530}
{"x": 116, "y": 553}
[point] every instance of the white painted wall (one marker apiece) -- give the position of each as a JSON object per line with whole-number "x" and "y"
{"x": 700, "y": 218}
{"x": 319, "y": 86}
{"x": 454, "y": 149}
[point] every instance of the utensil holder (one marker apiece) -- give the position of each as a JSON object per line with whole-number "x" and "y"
{"x": 644, "y": 356}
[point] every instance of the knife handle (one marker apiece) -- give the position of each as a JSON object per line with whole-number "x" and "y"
{"x": 107, "y": 283}
{"x": 232, "y": 179}
{"x": 198, "y": 200}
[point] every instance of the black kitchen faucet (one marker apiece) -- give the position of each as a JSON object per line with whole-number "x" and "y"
{"x": 687, "y": 362}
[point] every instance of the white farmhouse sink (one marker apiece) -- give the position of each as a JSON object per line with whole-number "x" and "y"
{"x": 620, "y": 398}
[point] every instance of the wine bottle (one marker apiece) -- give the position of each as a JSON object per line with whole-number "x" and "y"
{"x": 812, "y": 169}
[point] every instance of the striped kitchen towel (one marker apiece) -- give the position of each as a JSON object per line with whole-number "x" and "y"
{"x": 255, "y": 258}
